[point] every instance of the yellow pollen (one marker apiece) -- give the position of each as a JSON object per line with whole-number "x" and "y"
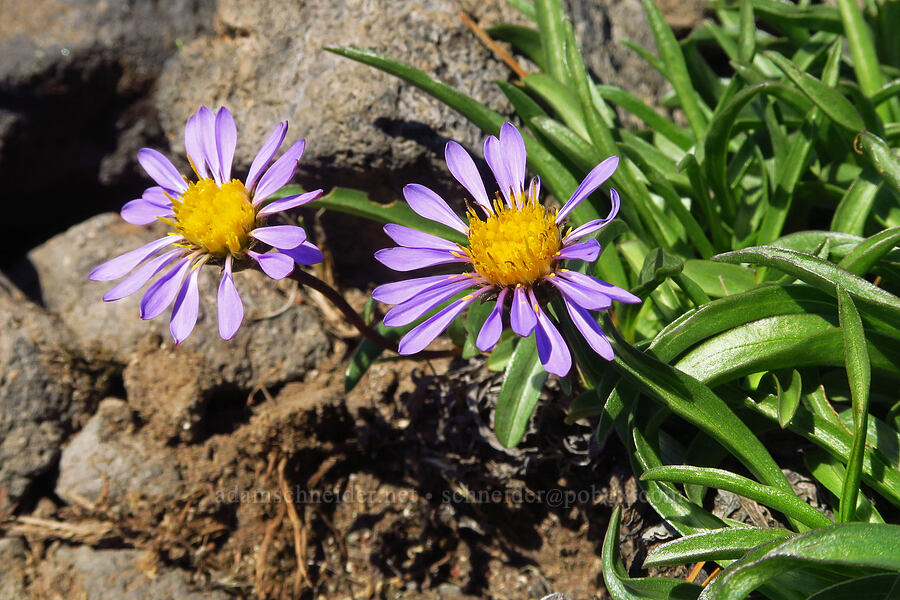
{"x": 514, "y": 245}
{"x": 215, "y": 219}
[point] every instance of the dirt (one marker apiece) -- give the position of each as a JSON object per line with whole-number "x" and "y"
{"x": 399, "y": 490}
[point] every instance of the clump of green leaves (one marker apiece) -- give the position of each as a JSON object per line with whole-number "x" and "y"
{"x": 763, "y": 237}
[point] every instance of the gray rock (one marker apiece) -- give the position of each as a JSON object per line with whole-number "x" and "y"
{"x": 43, "y": 393}
{"x": 74, "y": 75}
{"x": 12, "y": 575}
{"x": 115, "y": 575}
{"x": 105, "y": 459}
{"x": 278, "y": 341}
{"x": 364, "y": 128}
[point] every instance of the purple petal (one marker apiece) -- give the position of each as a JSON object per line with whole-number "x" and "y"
{"x": 161, "y": 170}
{"x": 274, "y": 264}
{"x": 493, "y": 325}
{"x": 584, "y": 296}
{"x": 599, "y": 287}
{"x": 589, "y": 251}
{"x": 422, "y": 335}
{"x": 534, "y": 188}
{"x": 464, "y": 170}
{"x": 410, "y": 259}
{"x": 231, "y": 309}
{"x": 521, "y": 314}
{"x": 413, "y": 238}
{"x": 552, "y": 349}
{"x": 265, "y": 154}
{"x": 589, "y": 328}
{"x": 120, "y": 265}
{"x": 512, "y": 149}
{"x": 158, "y": 196}
{"x": 280, "y": 236}
{"x": 187, "y": 307}
{"x": 289, "y": 202}
{"x": 304, "y": 254}
{"x": 407, "y": 312}
{"x": 427, "y": 204}
{"x": 163, "y": 291}
{"x": 226, "y": 141}
{"x": 592, "y": 226}
{"x": 279, "y": 173}
{"x": 494, "y": 158}
{"x": 194, "y": 148}
{"x": 206, "y": 133}
{"x": 594, "y": 179}
{"x": 141, "y": 212}
{"x": 401, "y": 291}
{"x": 142, "y": 275}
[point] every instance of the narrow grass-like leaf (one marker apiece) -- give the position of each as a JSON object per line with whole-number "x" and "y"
{"x": 576, "y": 148}
{"x": 648, "y": 115}
{"x": 788, "y": 398}
{"x": 833, "y": 105}
{"x": 519, "y": 393}
{"x": 747, "y": 36}
{"x": 843, "y": 545}
{"x": 696, "y": 403}
{"x": 856, "y": 358}
{"x": 784, "y": 501}
{"x": 890, "y": 90}
{"x": 882, "y": 158}
{"x": 862, "y": 49}
{"x": 553, "y": 174}
{"x": 623, "y": 587}
{"x": 863, "y": 257}
{"x": 676, "y": 68}
{"x": 885, "y": 586}
{"x": 524, "y": 39}
{"x": 525, "y": 106}
{"x": 831, "y": 473}
{"x": 853, "y": 211}
{"x": 817, "y": 17}
{"x": 817, "y": 273}
{"x": 721, "y": 544}
{"x": 550, "y": 18}
{"x": 561, "y": 100}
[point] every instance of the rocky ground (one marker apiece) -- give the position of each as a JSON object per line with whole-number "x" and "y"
{"x": 133, "y": 469}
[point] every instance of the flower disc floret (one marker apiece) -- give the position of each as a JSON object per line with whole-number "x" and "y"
{"x": 215, "y": 219}
{"x": 512, "y": 245}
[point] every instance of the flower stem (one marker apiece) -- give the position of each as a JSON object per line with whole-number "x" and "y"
{"x": 337, "y": 300}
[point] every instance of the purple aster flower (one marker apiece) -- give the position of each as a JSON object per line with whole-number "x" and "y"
{"x": 216, "y": 220}
{"x": 516, "y": 252}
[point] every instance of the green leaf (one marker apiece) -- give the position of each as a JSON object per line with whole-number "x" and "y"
{"x": 784, "y": 501}
{"x": 859, "y": 371}
{"x": 357, "y": 203}
{"x": 653, "y": 119}
{"x": 553, "y": 174}
{"x": 475, "y": 317}
{"x": 874, "y": 587}
{"x": 718, "y": 279}
{"x": 818, "y": 273}
{"x": 561, "y": 100}
{"x": 522, "y": 384}
{"x": 676, "y": 68}
{"x": 832, "y": 104}
{"x": 550, "y": 18}
{"x": 367, "y": 352}
{"x": 866, "y": 255}
{"x": 502, "y": 353}
{"x": 576, "y": 148}
{"x": 699, "y": 405}
{"x": 812, "y": 16}
{"x": 721, "y": 544}
{"x": 831, "y": 473}
{"x": 882, "y": 157}
{"x": 844, "y": 545}
{"x": 622, "y": 587}
{"x": 862, "y": 49}
{"x": 854, "y": 208}
{"x": 788, "y": 398}
{"x": 524, "y": 39}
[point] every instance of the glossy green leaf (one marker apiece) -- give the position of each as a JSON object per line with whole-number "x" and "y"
{"x": 622, "y": 587}
{"x": 856, "y": 359}
{"x": 648, "y": 115}
{"x": 522, "y": 384}
{"x": 862, "y": 49}
{"x": 784, "y": 501}
{"x": 831, "y": 473}
{"x": 524, "y": 39}
{"x": 718, "y": 279}
{"x": 864, "y": 256}
{"x": 721, "y": 544}
{"x": 854, "y": 208}
{"x": 885, "y": 586}
{"x": 882, "y": 157}
{"x": 788, "y": 398}
{"x": 844, "y": 545}
{"x": 550, "y": 18}
{"x": 561, "y": 100}
{"x": 835, "y": 106}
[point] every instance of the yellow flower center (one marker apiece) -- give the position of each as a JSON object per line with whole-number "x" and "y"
{"x": 514, "y": 245}
{"x": 215, "y": 219}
